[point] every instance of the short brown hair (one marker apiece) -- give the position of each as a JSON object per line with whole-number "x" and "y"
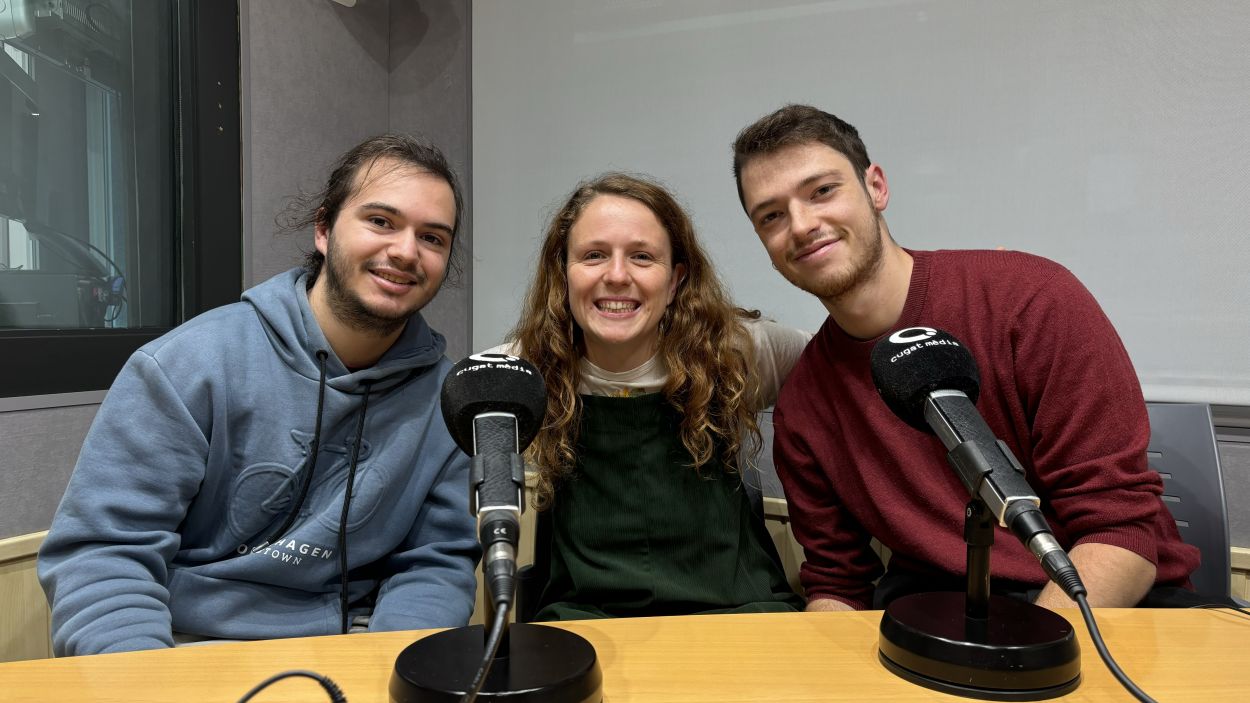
{"x": 793, "y": 125}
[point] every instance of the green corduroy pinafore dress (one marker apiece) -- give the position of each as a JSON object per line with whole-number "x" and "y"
{"x": 637, "y": 532}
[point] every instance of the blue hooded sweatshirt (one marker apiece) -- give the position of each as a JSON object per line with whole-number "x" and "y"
{"x": 199, "y": 453}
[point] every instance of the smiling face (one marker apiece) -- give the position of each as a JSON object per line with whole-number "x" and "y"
{"x": 387, "y": 251}
{"x": 821, "y": 226}
{"x": 621, "y": 278}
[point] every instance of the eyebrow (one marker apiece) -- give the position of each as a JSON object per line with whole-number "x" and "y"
{"x": 636, "y": 243}
{"x": 387, "y": 207}
{"x": 820, "y": 176}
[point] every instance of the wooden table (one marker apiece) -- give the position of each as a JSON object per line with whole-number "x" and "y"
{"x": 1174, "y": 655}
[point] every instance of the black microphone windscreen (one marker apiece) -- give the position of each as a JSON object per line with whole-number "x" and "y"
{"x": 484, "y": 383}
{"x": 913, "y": 362}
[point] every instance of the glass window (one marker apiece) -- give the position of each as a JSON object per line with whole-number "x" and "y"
{"x": 119, "y": 146}
{"x": 81, "y": 150}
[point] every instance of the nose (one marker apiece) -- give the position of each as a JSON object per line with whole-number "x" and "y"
{"x": 617, "y": 272}
{"x": 803, "y": 222}
{"x": 404, "y": 249}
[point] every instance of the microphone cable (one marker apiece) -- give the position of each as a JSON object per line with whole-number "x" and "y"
{"x": 336, "y": 693}
{"x": 1237, "y": 610}
{"x": 1096, "y": 636}
{"x": 488, "y": 657}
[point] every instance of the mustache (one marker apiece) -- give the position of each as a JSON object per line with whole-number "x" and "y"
{"x": 415, "y": 271}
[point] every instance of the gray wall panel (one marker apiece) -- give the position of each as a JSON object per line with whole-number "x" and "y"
{"x": 429, "y": 93}
{"x": 38, "y": 449}
{"x": 1037, "y": 126}
{"x": 317, "y": 77}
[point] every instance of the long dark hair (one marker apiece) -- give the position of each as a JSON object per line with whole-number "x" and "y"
{"x": 351, "y": 172}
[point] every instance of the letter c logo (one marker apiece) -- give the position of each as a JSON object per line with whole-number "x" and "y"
{"x": 912, "y": 334}
{"x": 493, "y": 357}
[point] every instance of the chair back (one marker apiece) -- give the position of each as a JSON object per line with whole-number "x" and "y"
{"x": 532, "y": 578}
{"x": 1183, "y": 450}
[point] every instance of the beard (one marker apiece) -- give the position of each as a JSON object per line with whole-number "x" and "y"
{"x": 860, "y": 268}
{"x": 349, "y": 308}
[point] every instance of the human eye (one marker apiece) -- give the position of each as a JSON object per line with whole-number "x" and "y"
{"x": 434, "y": 239}
{"x": 768, "y": 218}
{"x": 643, "y": 257}
{"x": 824, "y": 191}
{"x": 379, "y": 221}
{"x": 593, "y": 256}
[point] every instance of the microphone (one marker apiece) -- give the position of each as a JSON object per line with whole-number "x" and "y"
{"x": 930, "y": 381}
{"x": 493, "y": 405}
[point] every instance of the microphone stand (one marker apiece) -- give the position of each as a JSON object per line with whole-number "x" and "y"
{"x": 532, "y": 664}
{"x": 999, "y": 648}
{"x": 535, "y": 663}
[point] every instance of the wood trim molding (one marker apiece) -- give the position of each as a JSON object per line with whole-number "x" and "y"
{"x": 776, "y": 509}
{"x": 1241, "y": 558}
{"x": 21, "y": 546}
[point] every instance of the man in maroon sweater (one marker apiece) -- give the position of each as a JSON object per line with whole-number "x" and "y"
{"x": 1056, "y": 385}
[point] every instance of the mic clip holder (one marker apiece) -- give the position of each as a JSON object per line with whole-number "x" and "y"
{"x": 988, "y": 647}
{"x": 477, "y": 477}
{"x": 496, "y": 429}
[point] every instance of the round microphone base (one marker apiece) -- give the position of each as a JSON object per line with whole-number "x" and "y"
{"x": 544, "y": 664}
{"x": 1021, "y": 652}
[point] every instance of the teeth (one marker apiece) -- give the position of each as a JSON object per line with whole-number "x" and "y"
{"x": 616, "y": 306}
{"x": 392, "y": 279}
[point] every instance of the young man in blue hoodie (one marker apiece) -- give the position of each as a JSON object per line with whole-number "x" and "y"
{"x": 279, "y": 466}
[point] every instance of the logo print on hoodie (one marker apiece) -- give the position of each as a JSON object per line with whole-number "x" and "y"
{"x": 265, "y": 491}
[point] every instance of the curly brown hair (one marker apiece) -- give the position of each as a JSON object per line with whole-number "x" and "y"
{"x": 703, "y": 343}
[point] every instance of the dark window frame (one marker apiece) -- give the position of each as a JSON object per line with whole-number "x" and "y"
{"x": 208, "y": 217}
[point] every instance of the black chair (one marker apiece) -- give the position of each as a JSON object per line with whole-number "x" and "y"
{"x": 1183, "y": 450}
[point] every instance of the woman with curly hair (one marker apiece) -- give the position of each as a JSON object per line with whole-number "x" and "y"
{"x": 654, "y": 380}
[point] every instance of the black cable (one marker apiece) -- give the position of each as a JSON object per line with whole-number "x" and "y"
{"x": 1237, "y": 609}
{"x": 336, "y": 693}
{"x": 1101, "y": 646}
{"x": 40, "y": 230}
{"x": 492, "y": 646}
{"x": 347, "y": 503}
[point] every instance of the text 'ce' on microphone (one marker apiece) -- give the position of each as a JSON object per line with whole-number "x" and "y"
{"x": 494, "y": 405}
{"x": 973, "y": 644}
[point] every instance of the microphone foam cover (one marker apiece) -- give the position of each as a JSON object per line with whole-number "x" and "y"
{"x": 484, "y": 383}
{"x": 913, "y": 362}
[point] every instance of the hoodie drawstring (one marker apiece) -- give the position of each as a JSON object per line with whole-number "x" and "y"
{"x": 310, "y": 465}
{"x": 347, "y": 502}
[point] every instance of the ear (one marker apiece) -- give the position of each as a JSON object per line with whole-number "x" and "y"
{"x": 321, "y": 233}
{"x": 679, "y": 275}
{"x": 878, "y": 188}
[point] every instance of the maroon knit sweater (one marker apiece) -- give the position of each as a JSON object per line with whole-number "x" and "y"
{"x": 1056, "y": 385}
